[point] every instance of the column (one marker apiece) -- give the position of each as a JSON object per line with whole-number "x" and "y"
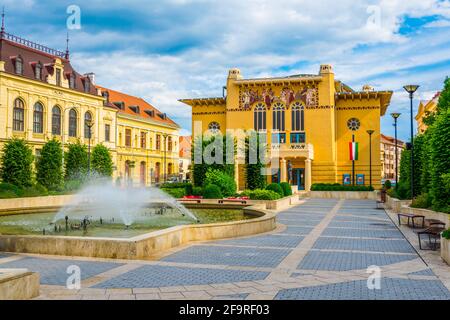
{"x": 236, "y": 172}
{"x": 283, "y": 170}
{"x": 308, "y": 174}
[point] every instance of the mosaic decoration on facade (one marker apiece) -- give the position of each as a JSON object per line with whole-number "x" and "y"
{"x": 247, "y": 97}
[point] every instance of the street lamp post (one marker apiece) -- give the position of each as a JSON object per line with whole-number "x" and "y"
{"x": 411, "y": 89}
{"x": 370, "y": 132}
{"x": 165, "y": 155}
{"x": 395, "y": 115}
{"x": 89, "y": 124}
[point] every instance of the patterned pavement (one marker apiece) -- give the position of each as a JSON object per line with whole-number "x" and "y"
{"x": 320, "y": 250}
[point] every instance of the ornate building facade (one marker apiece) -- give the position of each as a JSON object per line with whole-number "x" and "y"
{"x": 43, "y": 97}
{"x": 147, "y": 140}
{"x": 425, "y": 108}
{"x": 309, "y": 121}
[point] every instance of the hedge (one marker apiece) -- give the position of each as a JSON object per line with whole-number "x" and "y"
{"x": 287, "y": 189}
{"x": 338, "y": 187}
{"x": 276, "y": 188}
{"x": 175, "y": 192}
{"x": 212, "y": 191}
{"x": 261, "y": 194}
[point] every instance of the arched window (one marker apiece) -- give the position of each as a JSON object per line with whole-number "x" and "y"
{"x": 19, "y": 65}
{"x": 18, "y": 115}
{"x": 278, "y": 117}
{"x": 87, "y": 125}
{"x": 72, "y": 123}
{"x": 38, "y": 71}
{"x": 56, "y": 121}
{"x": 38, "y": 118}
{"x": 298, "y": 119}
{"x": 214, "y": 127}
{"x": 259, "y": 117}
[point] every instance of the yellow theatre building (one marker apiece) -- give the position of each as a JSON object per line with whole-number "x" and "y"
{"x": 310, "y": 121}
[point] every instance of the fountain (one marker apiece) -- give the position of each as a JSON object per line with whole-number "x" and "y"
{"x": 101, "y": 201}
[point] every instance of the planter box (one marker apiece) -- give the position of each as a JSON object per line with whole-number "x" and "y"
{"x": 429, "y": 214}
{"x": 18, "y": 284}
{"x": 445, "y": 250}
{"x": 396, "y": 204}
{"x": 351, "y": 195}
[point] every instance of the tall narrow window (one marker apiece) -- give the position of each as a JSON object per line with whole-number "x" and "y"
{"x": 298, "y": 112}
{"x": 169, "y": 143}
{"x": 72, "y": 81}
{"x": 72, "y": 123}
{"x": 87, "y": 125}
{"x": 158, "y": 142}
{"x": 56, "y": 121}
{"x": 38, "y": 71}
{"x": 128, "y": 137}
{"x": 278, "y": 117}
{"x": 107, "y": 132}
{"x": 19, "y": 65}
{"x": 87, "y": 85}
{"x": 58, "y": 77}
{"x": 143, "y": 140}
{"x": 18, "y": 115}
{"x": 38, "y": 118}
{"x": 259, "y": 117}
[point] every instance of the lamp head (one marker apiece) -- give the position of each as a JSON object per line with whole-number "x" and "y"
{"x": 89, "y": 123}
{"x": 395, "y": 115}
{"x": 411, "y": 88}
{"x": 370, "y": 132}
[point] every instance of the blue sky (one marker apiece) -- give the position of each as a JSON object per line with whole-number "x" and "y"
{"x": 167, "y": 50}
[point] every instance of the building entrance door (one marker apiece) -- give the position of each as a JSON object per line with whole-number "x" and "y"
{"x": 298, "y": 175}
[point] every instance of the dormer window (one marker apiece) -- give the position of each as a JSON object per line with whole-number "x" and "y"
{"x": 87, "y": 85}
{"x": 72, "y": 81}
{"x": 38, "y": 71}
{"x": 135, "y": 109}
{"x": 58, "y": 77}
{"x": 105, "y": 95}
{"x": 19, "y": 65}
{"x": 151, "y": 113}
{"x": 120, "y": 105}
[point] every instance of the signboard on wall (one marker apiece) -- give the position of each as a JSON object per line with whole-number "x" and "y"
{"x": 360, "y": 179}
{"x": 346, "y": 179}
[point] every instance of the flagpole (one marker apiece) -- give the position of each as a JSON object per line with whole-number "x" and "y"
{"x": 353, "y": 162}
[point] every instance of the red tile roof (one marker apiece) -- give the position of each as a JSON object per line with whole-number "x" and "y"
{"x": 136, "y": 106}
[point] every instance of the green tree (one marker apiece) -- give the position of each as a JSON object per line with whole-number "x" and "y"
{"x": 254, "y": 178}
{"x": 199, "y": 169}
{"x": 76, "y": 161}
{"x": 16, "y": 163}
{"x": 101, "y": 161}
{"x": 444, "y": 98}
{"x": 49, "y": 167}
{"x": 418, "y": 167}
{"x": 426, "y": 164}
{"x": 219, "y": 178}
{"x": 403, "y": 188}
{"x": 440, "y": 158}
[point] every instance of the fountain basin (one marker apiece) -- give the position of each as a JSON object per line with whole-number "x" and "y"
{"x": 145, "y": 246}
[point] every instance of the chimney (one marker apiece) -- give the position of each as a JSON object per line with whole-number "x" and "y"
{"x": 91, "y": 77}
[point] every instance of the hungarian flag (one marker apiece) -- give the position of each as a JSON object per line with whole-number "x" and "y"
{"x": 353, "y": 147}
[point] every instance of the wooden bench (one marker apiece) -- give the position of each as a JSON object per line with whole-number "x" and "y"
{"x": 435, "y": 222}
{"x": 233, "y": 200}
{"x": 433, "y": 233}
{"x": 411, "y": 217}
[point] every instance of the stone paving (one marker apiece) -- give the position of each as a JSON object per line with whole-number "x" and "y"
{"x": 321, "y": 249}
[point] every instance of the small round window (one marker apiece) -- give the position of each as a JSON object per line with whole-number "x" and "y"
{"x": 353, "y": 124}
{"x": 214, "y": 127}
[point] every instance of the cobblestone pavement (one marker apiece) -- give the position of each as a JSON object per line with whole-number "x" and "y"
{"x": 320, "y": 250}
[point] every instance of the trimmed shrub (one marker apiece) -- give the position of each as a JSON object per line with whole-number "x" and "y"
{"x": 76, "y": 161}
{"x": 188, "y": 189}
{"x": 175, "y": 192}
{"x": 219, "y": 178}
{"x": 422, "y": 201}
{"x": 387, "y": 184}
{"x": 211, "y": 191}
{"x": 8, "y": 187}
{"x": 287, "y": 189}
{"x": 261, "y": 194}
{"x": 403, "y": 190}
{"x": 338, "y": 187}
{"x": 276, "y": 188}
{"x": 197, "y": 191}
{"x": 446, "y": 234}
{"x": 49, "y": 167}
{"x": 16, "y": 163}
{"x": 101, "y": 161}
{"x": 253, "y": 177}
{"x": 35, "y": 191}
